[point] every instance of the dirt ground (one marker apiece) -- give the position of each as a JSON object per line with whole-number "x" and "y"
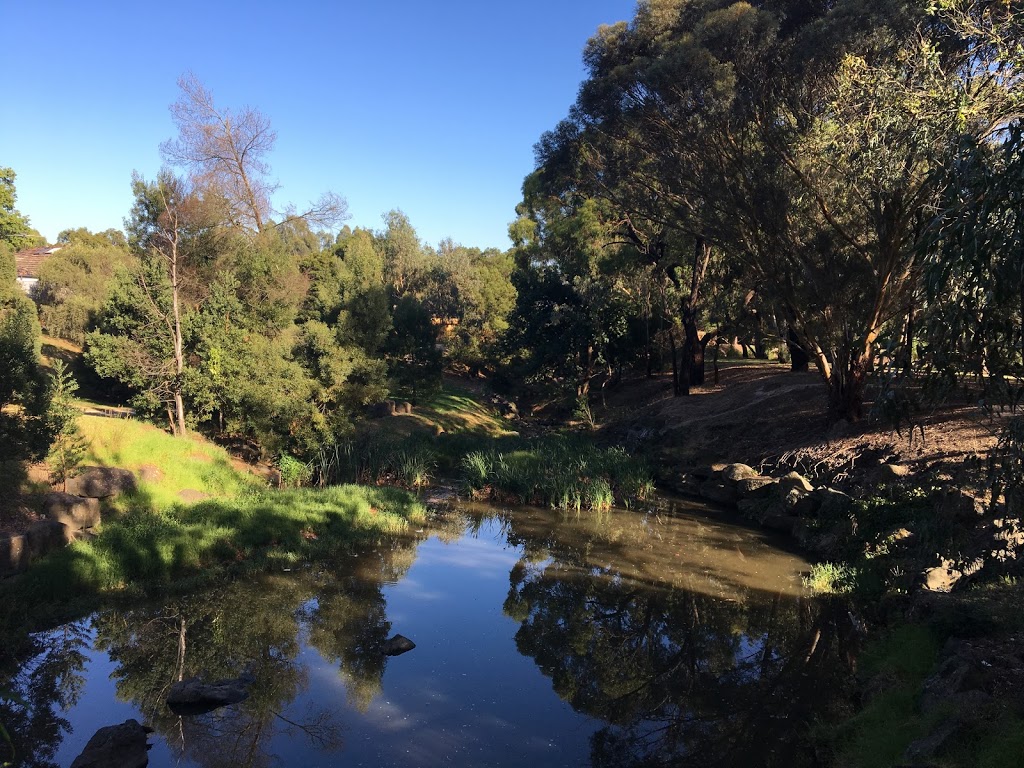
{"x": 766, "y": 416}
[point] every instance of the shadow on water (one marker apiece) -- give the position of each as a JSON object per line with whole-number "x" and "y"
{"x": 676, "y": 639}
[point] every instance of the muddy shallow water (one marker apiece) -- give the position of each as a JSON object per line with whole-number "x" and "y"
{"x": 668, "y": 637}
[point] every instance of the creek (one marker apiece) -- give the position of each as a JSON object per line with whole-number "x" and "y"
{"x": 661, "y": 637}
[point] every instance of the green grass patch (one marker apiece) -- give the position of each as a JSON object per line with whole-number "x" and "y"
{"x": 175, "y": 464}
{"x": 880, "y": 733}
{"x": 186, "y": 545}
{"x": 831, "y": 579}
{"x": 562, "y": 472}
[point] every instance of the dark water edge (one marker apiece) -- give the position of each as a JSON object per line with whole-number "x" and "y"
{"x": 669, "y": 637}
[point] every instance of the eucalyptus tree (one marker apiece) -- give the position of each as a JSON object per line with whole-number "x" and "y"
{"x": 140, "y": 340}
{"x": 226, "y": 154}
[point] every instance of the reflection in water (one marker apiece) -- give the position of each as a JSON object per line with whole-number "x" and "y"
{"x": 719, "y": 662}
{"x": 675, "y": 639}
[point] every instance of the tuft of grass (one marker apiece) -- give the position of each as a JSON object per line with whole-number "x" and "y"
{"x": 831, "y": 579}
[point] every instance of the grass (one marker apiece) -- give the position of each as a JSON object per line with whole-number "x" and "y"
{"x": 831, "y": 579}
{"x": 188, "y": 463}
{"x": 561, "y": 472}
{"x": 152, "y": 540}
{"x": 880, "y": 733}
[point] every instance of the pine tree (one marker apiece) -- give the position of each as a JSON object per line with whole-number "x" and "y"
{"x": 69, "y": 445}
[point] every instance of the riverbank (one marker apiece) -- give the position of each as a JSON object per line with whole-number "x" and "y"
{"x": 918, "y": 543}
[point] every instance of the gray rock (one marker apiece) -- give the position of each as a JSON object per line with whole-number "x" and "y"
{"x": 102, "y": 482}
{"x": 795, "y": 480}
{"x": 832, "y": 503}
{"x": 73, "y": 511}
{"x": 194, "y": 697}
{"x": 784, "y": 523}
{"x": 892, "y": 473}
{"x": 942, "y": 578}
{"x": 116, "y": 746}
{"x": 756, "y": 487}
{"x": 718, "y": 492}
{"x": 398, "y": 645}
{"x": 14, "y": 554}
{"x": 733, "y": 473}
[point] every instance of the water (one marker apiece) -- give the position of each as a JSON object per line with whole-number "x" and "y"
{"x": 622, "y": 639}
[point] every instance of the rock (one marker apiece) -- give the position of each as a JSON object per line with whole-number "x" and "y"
{"x": 942, "y": 578}
{"x": 73, "y": 511}
{"x": 733, "y": 473}
{"x": 958, "y": 506}
{"x": 686, "y": 484}
{"x": 832, "y": 504}
{"x": 116, "y": 746}
{"x": 718, "y": 492}
{"x": 194, "y": 697}
{"x": 44, "y": 536}
{"x": 756, "y": 487}
{"x": 700, "y": 473}
{"x": 14, "y": 554}
{"x": 102, "y": 482}
{"x": 751, "y": 508}
{"x": 398, "y": 645}
{"x": 150, "y": 473}
{"x": 892, "y": 473}
{"x": 795, "y": 480}
{"x": 403, "y": 408}
{"x": 776, "y": 522}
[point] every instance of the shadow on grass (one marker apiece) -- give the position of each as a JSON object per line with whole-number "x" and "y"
{"x": 146, "y": 549}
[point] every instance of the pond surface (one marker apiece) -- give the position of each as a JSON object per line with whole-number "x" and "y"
{"x": 620, "y": 639}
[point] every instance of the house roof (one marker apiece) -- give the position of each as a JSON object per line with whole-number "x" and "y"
{"x": 28, "y": 261}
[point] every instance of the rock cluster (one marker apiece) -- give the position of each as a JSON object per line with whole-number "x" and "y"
{"x": 69, "y": 516}
{"x": 820, "y": 518}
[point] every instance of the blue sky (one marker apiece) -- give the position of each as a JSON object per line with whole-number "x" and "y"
{"x": 431, "y": 107}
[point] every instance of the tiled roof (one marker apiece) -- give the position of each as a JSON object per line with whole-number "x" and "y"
{"x": 28, "y": 261}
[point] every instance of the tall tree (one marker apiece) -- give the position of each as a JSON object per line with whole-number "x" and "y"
{"x": 226, "y": 154}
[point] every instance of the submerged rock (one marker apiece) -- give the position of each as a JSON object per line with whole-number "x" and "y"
{"x": 398, "y": 645}
{"x": 116, "y": 746}
{"x": 195, "y": 697}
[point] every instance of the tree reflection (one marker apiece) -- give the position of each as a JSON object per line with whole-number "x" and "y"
{"x": 33, "y": 700}
{"x": 681, "y": 675}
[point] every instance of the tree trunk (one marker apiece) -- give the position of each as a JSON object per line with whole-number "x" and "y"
{"x": 799, "y": 359}
{"x": 675, "y": 364}
{"x": 846, "y": 391}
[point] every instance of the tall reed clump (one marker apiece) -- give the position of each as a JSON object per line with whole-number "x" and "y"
{"x": 373, "y": 460}
{"x": 559, "y": 472}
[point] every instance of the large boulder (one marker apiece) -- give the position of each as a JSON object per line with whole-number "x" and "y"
{"x": 101, "y": 482}
{"x": 196, "y": 697}
{"x": 116, "y": 746}
{"x": 733, "y": 473}
{"x": 73, "y": 511}
{"x": 757, "y": 487}
{"x": 14, "y": 554}
{"x": 795, "y": 480}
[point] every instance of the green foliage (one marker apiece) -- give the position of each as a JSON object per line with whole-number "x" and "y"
{"x": 294, "y": 473}
{"x": 878, "y": 736}
{"x": 74, "y": 281}
{"x": 23, "y": 385}
{"x": 68, "y": 446}
{"x": 831, "y": 579}
{"x": 14, "y": 228}
{"x": 568, "y": 474}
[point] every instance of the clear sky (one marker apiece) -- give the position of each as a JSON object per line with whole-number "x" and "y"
{"x": 431, "y": 107}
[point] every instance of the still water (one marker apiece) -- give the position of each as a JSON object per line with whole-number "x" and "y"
{"x": 668, "y": 637}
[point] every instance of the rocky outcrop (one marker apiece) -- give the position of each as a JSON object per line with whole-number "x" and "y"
{"x": 102, "y": 482}
{"x": 195, "y": 696}
{"x": 73, "y": 511}
{"x": 819, "y": 517}
{"x": 18, "y": 552}
{"x": 116, "y": 746}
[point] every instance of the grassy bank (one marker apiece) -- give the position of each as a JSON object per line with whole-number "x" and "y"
{"x": 160, "y": 537}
